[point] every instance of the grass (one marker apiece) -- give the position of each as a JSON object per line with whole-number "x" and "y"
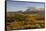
{"x": 25, "y": 21}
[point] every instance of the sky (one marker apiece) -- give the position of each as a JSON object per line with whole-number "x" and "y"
{"x": 16, "y": 6}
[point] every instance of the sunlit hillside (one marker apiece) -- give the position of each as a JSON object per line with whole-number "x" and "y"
{"x": 24, "y": 21}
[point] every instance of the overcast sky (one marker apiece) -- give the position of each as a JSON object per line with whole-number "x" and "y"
{"x": 15, "y": 6}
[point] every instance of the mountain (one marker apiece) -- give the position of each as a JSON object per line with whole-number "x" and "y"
{"x": 28, "y": 11}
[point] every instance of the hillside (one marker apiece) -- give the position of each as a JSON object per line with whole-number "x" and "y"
{"x": 24, "y": 21}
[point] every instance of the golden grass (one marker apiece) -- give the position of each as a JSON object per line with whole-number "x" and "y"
{"x": 28, "y": 21}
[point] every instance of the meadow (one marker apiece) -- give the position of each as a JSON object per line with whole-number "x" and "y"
{"x": 20, "y": 21}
